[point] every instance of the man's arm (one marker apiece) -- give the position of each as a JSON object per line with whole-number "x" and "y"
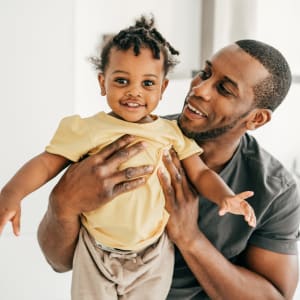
{"x": 84, "y": 187}
{"x": 268, "y": 275}
{"x": 57, "y": 236}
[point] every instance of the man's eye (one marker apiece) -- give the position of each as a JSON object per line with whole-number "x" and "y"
{"x": 148, "y": 83}
{"x": 121, "y": 81}
{"x": 223, "y": 90}
{"x": 204, "y": 74}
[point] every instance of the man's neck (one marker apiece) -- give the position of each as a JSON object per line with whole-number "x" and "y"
{"x": 218, "y": 152}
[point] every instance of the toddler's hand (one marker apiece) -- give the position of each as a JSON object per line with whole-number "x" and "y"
{"x": 10, "y": 211}
{"x": 238, "y": 206}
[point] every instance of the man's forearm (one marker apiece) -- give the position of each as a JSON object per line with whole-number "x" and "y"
{"x": 58, "y": 238}
{"x": 220, "y": 278}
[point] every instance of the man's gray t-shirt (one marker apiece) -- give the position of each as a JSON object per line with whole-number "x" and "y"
{"x": 277, "y": 207}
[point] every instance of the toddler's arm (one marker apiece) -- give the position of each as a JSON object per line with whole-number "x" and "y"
{"x": 211, "y": 186}
{"x": 30, "y": 177}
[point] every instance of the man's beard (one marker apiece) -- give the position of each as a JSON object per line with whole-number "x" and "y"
{"x": 210, "y": 134}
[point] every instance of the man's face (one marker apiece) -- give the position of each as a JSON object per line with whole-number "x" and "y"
{"x": 221, "y": 95}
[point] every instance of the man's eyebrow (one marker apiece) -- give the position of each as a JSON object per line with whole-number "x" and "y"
{"x": 232, "y": 82}
{"x": 208, "y": 63}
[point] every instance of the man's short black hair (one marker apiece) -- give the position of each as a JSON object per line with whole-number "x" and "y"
{"x": 270, "y": 92}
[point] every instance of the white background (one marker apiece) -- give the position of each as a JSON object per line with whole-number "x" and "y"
{"x": 44, "y": 75}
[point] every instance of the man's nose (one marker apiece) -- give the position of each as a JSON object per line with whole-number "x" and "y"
{"x": 202, "y": 90}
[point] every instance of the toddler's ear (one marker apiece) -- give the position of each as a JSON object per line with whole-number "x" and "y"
{"x": 163, "y": 87}
{"x": 101, "y": 84}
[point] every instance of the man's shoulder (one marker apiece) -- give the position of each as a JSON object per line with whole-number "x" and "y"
{"x": 253, "y": 167}
{"x": 260, "y": 161}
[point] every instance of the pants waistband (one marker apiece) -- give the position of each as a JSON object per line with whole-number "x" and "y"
{"x": 114, "y": 250}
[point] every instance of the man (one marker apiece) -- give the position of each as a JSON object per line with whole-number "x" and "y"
{"x": 216, "y": 257}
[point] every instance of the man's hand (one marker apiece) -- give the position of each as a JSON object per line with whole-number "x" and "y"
{"x": 97, "y": 179}
{"x": 181, "y": 201}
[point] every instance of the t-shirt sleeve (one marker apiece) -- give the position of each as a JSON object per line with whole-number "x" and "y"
{"x": 279, "y": 228}
{"x": 183, "y": 145}
{"x": 71, "y": 139}
{"x": 190, "y": 148}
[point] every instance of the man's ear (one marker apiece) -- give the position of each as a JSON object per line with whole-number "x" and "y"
{"x": 101, "y": 84}
{"x": 258, "y": 118}
{"x": 163, "y": 87}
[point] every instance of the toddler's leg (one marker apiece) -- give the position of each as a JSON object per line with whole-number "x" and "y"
{"x": 90, "y": 278}
{"x": 153, "y": 273}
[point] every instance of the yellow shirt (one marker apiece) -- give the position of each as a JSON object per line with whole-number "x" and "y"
{"x": 137, "y": 218}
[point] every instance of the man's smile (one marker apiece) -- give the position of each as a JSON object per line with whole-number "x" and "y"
{"x": 192, "y": 112}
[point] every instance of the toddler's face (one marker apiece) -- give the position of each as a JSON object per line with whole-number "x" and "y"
{"x": 133, "y": 84}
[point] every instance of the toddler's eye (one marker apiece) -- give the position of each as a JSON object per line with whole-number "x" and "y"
{"x": 148, "y": 83}
{"x": 121, "y": 81}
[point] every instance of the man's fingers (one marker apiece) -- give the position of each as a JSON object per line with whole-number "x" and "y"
{"x": 128, "y": 186}
{"x": 107, "y": 162}
{"x": 177, "y": 163}
{"x": 123, "y": 154}
{"x": 175, "y": 158}
{"x": 128, "y": 174}
{"x": 167, "y": 189}
{"x": 134, "y": 172}
{"x": 114, "y": 147}
{"x": 172, "y": 189}
{"x": 130, "y": 178}
{"x": 171, "y": 167}
{"x": 179, "y": 181}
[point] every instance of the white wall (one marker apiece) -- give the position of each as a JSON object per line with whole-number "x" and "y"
{"x": 234, "y": 19}
{"x": 278, "y": 23}
{"x": 37, "y": 89}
